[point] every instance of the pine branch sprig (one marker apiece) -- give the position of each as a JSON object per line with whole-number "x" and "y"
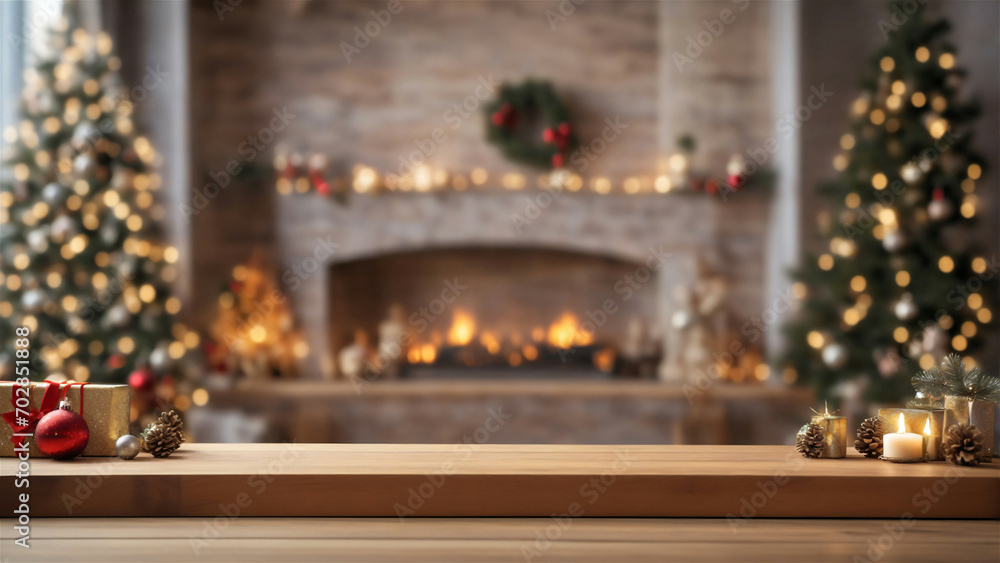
{"x": 951, "y": 378}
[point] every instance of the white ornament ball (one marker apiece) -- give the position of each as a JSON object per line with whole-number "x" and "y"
{"x": 117, "y": 316}
{"x": 835, "y": 356}
{"x": 159, "y": 358}
{"x": 62, "y": 228}
{"x": 906, "y": 308}
{"x": 127, "y": 447}
{"x": 910, "y": 173}
{"x": 53, "y": 193}
{"x": 38, "y": 240}
{"x": 940, "y": 209}
{"x": 894, "y": 241}
{"x": 84, "y": 164}
{"x": 33, "y": 300}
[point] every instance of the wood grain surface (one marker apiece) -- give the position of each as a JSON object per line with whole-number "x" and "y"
{"x": 503, "y": 540}
{"x": 469, "y": 480}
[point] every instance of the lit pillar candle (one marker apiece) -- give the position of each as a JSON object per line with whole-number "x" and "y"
{"x": 932, "y": 444}
{"x": 902, "y": 444}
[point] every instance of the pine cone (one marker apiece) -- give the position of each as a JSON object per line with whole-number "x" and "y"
{"x": 810, "y": 440}
{"x": 172, "y": 421}
{"x": 869, "y": 440}
{"x": 164, "y": 436}
{"x": 963, "y": 444}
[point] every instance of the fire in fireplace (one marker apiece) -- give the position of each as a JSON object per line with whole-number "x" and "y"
{"x": 510, "y": 312}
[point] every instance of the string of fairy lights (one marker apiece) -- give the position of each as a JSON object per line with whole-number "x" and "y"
{"x": 298, "y": 174}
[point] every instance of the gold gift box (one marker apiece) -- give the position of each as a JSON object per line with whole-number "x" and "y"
{"x": 105, "y": 408}
{"x": 979, "y": 413}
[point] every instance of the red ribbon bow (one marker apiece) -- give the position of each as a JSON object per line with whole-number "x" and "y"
{"x": 26, "y": 421}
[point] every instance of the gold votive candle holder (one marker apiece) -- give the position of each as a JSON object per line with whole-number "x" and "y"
{"x": 915, "y": 419}
{"x": 978, "y": 413}
{"x": 835, "y": 432}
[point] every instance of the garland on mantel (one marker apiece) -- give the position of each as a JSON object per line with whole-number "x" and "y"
{"x": 297, "y": 174}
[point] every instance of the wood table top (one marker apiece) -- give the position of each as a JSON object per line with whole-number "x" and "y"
{"x": 518, "y": 540}
{"x": 471, "y": 480}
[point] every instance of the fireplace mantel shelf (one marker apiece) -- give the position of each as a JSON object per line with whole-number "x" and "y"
{"x": 379, "y": 480}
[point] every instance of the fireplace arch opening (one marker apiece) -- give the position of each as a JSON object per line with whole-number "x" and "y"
{"x": 493, "y": 312}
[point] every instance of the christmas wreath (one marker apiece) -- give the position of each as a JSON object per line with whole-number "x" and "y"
{"x": 515, "y": 117}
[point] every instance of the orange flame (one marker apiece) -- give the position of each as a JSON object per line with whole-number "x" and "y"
{"x": 463, "y": 328}
{"x": 564, "y": 333}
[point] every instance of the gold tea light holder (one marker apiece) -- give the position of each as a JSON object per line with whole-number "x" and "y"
{"x": 834, "y": 432}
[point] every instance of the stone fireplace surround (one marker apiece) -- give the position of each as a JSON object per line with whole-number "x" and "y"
{"x": 686, "y": 227}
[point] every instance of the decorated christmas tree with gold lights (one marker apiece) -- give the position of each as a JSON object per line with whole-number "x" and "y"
{"x": 901, "y": 284}
{"x": 254, "y": 333}
{"x": 81, "y": 265}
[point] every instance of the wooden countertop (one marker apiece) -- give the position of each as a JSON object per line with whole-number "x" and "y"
{"x": 469, "y": 480}
{"x": 512, "y": 540}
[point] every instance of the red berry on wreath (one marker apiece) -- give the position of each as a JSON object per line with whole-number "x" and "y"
{"x": 711, "y": 187}
{"x": 548, "y": 135}
{"x": 735, "y": 181}
{"x": 937, "y": 194}
{"x": 557, "y": 160}
{"x": 62, "y": 433}
{"x": 564, "y": 129}
{"x": 497, "y": 118}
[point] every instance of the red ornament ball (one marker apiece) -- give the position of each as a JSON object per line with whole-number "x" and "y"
{"x": 497, "y": 119}
{"x": 735, "y": 180}
{"x": 711, "y": 187}
{"x": 62, "y": 433}
{"x": 564, "y": 129}
{"x": 142, "y": 380}
{"x": 548, "y": 135}
{"x": 557, "y": 160}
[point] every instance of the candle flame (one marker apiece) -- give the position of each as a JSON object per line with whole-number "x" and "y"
{"x": 927, "y": 427}
{"x": 826, "y": 410}
{"x": 902, "y": 425}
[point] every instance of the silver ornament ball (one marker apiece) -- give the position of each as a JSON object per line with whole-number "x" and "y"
{"x": 835, "y": 356}
{"x": 906, "y": 309}
{"x": 939, "y": 209}
{"x": 910, "y": 173}
{"x": 127, "y": 447}
{"x": 894, "y": 241}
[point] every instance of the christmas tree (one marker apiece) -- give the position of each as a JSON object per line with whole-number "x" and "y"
{"x": 81, "y": 268}
{"x": 901, "y": 284}
{"x": 254, "y": 333}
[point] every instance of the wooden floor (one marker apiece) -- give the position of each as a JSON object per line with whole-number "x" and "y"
{"x": 499, "y": 540}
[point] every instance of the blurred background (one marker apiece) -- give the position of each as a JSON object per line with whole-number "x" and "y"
{"x": 509, "y": 222}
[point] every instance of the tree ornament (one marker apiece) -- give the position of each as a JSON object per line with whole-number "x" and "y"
{"x": 911, "y": 173}
{"x": 33, "y": 300}
{"x": 869, "y": 439}
{"x": 906, "y": 308}
{"x": 117, "y": 316}
{"x": 62, "y": 228}
{"x": 810, "y": 440}
{"x": 84, "y": 164}
{"x": 159, "y": 358}
{"x": 142, "y": 380}
{"x": 127, "y": 447}
{"x": 53, "y": 194}
{"x": 963, "y": 444}
{"x": 38, "y": 240}
{"x": 164, "y": 436}
{"x": 940, "y": 208}
{"x": 835, "y": 355}
{"x": 894, "y": 241}
{"x": 62, "y": 433}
